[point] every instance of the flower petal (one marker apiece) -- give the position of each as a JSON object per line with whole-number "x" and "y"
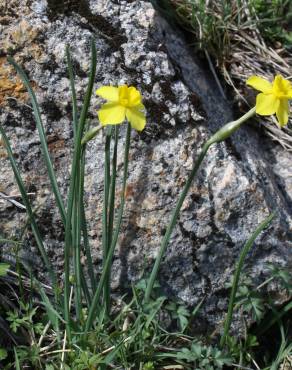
{"x": 111, "y": 114}
{"x": 283, "y": 112}
{"x": 260, "y": 84}
{"x": 281, "y": 84}
{"x": 140, "y": 107}
{"x": 289, "y": 94}
{"x": 123, "y": 92}
{"x": 266, "y": 104}
{"x": 109, "y": 93}
{"x": 134, "y": 96}
{"x": 136, "y": 118}
{"x": 282, "y": 88}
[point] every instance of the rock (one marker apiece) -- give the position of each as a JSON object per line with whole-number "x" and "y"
{"x": 240, "y": 182}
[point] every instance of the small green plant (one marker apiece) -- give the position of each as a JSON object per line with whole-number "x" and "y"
{"x": 24, "y": 317}
{"x": 250, "y": 301}
{"x": 204, "y": 357}
{"x": 240, "y": 349}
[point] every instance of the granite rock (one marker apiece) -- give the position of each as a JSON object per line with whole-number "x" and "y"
{"x": 240, "y": 183}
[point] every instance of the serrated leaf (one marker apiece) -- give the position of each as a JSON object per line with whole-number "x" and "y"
{"x": 197, "y": 349}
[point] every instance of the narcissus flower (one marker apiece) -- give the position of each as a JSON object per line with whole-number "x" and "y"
{"x": 274, "y": 97}
{"x": 123, "y": 102}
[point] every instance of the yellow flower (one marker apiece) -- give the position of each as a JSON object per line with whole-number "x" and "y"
{"x": 273, "y": 97}
{"x": 123, "y": 102}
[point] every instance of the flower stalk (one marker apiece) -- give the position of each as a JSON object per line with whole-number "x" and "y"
{"x": 107, "y": 265}
{"x": 111, "y": 215}
{"x": 219, "y": 136}
{"x": 105, "y": 234}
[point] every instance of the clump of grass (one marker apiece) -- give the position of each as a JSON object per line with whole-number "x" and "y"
{"x": 274, "y": 21}
{"x": 241, "y": 38}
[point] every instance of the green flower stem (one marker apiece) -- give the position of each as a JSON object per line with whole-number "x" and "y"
{"x": 238, "y": 270}
{"x": 85, "y": 288}
{"x": 84, "y": 226}
{"x": 105, "y": 236}
{"x": 93, "y": 308}
{"x": 29, "y": 210}
{"x": 111, "y": 214}
{"x": 219, "y": 136}
{"x": 172, "y": 223}
{"x": 113, "y": 187}
{"x": 72, "y": 186}
{"x": 228, "y": 129}
{"x": 90, "y": 134}
{"x": 73, "y": 91}
{"x": 42, "y": 136}
{"x": 76, "y": 240}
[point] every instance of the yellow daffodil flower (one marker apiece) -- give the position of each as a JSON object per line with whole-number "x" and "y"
{"x": 274, "y": 97}
{"x": 123, "y": 102}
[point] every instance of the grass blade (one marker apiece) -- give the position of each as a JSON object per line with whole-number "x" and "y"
{"x": 17, "y": 364}
{"x": 53, "y": 315}
{"x": 276, "y": 316}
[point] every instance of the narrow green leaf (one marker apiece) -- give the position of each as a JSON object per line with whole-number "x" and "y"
{"x": 53, "y": 315}
{"x": 26, "y": 202}
{"x": 73, "y": 184}
{"x": 238, "y": 270}
{"x": 42, "y": 136}
{"x": 17, "y": 364}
